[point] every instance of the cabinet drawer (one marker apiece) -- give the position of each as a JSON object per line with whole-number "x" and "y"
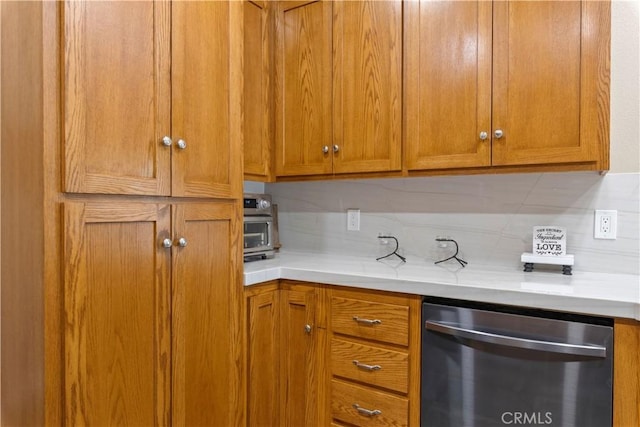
{"x": 389, "y": 409}
{"x": 370, "y": 320}
{"x": 384, "y": 368}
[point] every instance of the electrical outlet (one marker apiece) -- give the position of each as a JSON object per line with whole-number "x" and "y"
{"x": 353, "y": 219}
{"x": 605, "y": 224}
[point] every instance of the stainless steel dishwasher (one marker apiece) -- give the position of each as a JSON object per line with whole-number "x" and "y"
{"x": 489, "y": 365}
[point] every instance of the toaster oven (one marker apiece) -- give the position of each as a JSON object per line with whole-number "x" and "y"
{"x": 259, "y": 227}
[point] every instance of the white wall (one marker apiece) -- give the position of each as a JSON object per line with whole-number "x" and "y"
{"x": 625, "y": 86}
{"x": 254, "y": 187}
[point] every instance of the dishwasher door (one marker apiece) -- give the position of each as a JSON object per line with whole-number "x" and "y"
{"x": 482, "y": 367}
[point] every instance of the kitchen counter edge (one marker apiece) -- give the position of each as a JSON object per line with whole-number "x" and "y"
{"x": 599, "y": 294}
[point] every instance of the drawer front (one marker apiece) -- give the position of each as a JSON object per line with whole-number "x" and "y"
{"x": 370, "y": 320}
{"x": 372, "y": 365}
{"x": 376, "y": 408}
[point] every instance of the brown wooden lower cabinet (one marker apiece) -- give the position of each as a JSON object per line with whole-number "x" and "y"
{"x": 263, "y": 355}
{"x": 151, "y": 336}
{"x": 326, "y": 374}
{"x": 285, "y": 342}
{"x": 374, "y": 356}
{"x": 626, "y": 373}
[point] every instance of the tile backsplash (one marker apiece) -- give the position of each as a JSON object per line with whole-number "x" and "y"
{"x": 490, "y": 216}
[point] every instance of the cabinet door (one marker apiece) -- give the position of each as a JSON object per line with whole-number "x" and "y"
{"x": 367, "y": 38}
{"x": 206, "y": 332}
{"x": 626, "y": 371}
{"x": 116, "y": 93}
{"x": 299, "y": 364}
{"x": 550, "y": 65}
{"x": 448, "y": 84}
{"x": 303, "y": 88}
{"x": 206, "y": 84}
{"x": 258, "y": 82}
{"x": 117, "y": 314}
{"x": 263, "y": 354}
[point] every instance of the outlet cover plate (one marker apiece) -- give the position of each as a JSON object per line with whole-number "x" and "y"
{"x": 605, "y": 225}
{"x": 353, "y": 219}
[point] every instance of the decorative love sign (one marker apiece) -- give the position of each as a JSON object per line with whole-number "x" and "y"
{"x": 549, "y": 241}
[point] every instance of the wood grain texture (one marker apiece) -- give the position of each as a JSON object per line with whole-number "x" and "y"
{"x": 116, "y": 97}
{"x": 53, "y": 219}
{"x": 298, "y": 364}
{"x": 206, "y": 329}
{"x": 117, "y": 314}
{"x": 34, "y": 64}
{"x": 263, "y": 348}
{"x": 22, "y": 225}
{"x": 303, "y": 88}
{"x": 415, "y": 357}
{"x": 537, "y": 83}
{"x": 595, "y": 71}
{"x": 367, "y": 85}
{"x": 394, "y": 409}
{"x": 550, "y": 92}
{"x": 393, "y": 326}
{"x": 258, "y": 89}
{"x": 393, "y": 372}
{"x": 447, "y": 84}
{"x": 404, "y": 381}
{"x": 322, "y": 355}
{"x": 261, "y": 288}
{"x": 206, "y": 82}
{"x": 626, "y": 379}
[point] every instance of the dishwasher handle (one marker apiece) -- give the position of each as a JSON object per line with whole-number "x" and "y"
{"x": 523, "y": 343}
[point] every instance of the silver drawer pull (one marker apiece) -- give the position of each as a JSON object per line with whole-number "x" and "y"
{"x": 367, "y": 367}
{"x": 367, "y": 412}
{"x": 367, "y": 321}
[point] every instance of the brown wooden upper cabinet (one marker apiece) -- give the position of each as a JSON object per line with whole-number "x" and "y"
{"x": 506, "y": 83}
{"x": 338, "y": 87}
{"x": 150, "y": 104}
{"x": 258, "y": 89}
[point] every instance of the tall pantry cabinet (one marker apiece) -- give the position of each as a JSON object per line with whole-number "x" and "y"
{"x": 121, "y": 239}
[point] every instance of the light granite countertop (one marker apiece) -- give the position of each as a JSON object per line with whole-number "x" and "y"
{"x": 614, "y": 295}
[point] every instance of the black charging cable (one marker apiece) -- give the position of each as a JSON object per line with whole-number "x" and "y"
{"x": 395, "y": 251}
{"x": 454, "y": 256}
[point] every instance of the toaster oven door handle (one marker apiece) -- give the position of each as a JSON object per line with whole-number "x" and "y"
{"x": 265, "y": 219}
{"x": 523, "y": 343}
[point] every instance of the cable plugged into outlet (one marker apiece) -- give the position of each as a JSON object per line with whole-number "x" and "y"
{"x": 605, "y": 224}
{"x": 383, "y": 237}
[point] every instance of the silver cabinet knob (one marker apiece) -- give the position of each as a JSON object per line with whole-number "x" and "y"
{"x": 182, "y": 144}
{"x": 336, "y": 148}
{"x": 167, "y": 141}
{"x": 498, "y": 133}
{"x": 182, "y": 242}
{"x": 325, "y": 149}
{"x": 307, "y": 328}
{"x": 484, "y": 135}
{"x": 167, "y": 243}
